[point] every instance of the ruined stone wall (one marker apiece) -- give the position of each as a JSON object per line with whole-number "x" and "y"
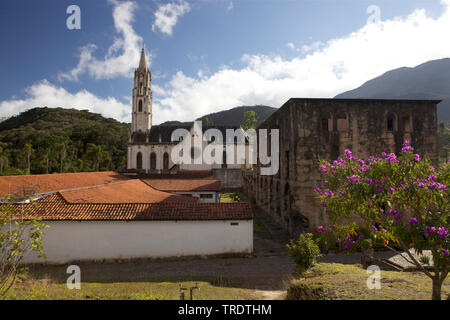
{"x": 325, "y": 128}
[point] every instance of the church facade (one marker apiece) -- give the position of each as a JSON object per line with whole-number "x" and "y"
{"x": 150, "y": 147}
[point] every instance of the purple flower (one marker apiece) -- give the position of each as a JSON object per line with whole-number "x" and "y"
{"x": 321, "y": 228}
{"x": 392, "y": 190}
{"x": 383, "y": 154}
{"x": 413, "y": 221}
{"x": 361, "y": 161}
{"x": 432, "y": 185}
{"x": 393, "y": 211}
{"x": 325, "y": 182}
{"x": 397, "y": 217}
{"x": 322, "y": 203}
{"x": 430, "y": 230}
{"x": 348, "y": 153}
{"x": 442, "y": 232}
{"x": 329, "y": 193}
{"x": 338, "y": 240}
{"x": 391, "y": 158}
{"x": 369, "y": 205}
{"x": 416, "y": 157}
{"x": 317, "y": 190}
{"x": 445, "y": 251}
{"x": 407, "y": 147}
{"x": 420, "y": 185}
{"x": 432, "y": 177}
{"x": 374, "y": 228}
{"x": 368, "y": 181}
{"x": 441, "y": 186}
{"x": 354, "y": 178}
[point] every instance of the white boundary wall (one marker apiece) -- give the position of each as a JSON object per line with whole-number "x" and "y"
{"x": 66, "y": 241}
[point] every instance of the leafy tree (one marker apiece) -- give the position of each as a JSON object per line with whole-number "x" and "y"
{"x": 250, "y": 120}
{"x": 28, "y": 149}
{"x": 207, "y": 122}
{"x": 96, "y": 154}
{"x": 401, "y": 201}
{"x": 18, "y": 237}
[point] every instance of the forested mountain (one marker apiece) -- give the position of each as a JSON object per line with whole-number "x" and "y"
{"x": 57, "y": 139}
{"x": 430, "y": 80}
{"x": 233, "y": 117}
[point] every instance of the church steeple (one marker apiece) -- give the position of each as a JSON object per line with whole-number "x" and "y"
{"x": 143, "y": 62}
{"x": 141, "y": 119}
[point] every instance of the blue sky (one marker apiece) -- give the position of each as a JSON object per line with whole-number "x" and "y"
{"x": 206, "y": 56}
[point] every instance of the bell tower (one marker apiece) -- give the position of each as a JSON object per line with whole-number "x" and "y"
{"x": 141, "y": 116}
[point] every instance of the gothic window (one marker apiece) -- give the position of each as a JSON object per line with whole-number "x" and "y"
{"x": 153, "y": 161}
{"x": 166, "y": 161}
{"x": 391, "y": 123}
{"x": 140, "y": 106}
{"x": 139, "y": 161}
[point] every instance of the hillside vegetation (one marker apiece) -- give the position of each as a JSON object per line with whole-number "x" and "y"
{"x": 61, "y": 140}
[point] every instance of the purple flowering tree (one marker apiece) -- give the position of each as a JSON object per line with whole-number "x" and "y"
{"x": 403, "y": 201}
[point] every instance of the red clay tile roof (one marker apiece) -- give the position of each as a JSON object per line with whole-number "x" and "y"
{"x": 128, "y": 191}
{"x": 177, "y": 185}
{"x": 43, "y": 183}
{"x": 54, "y": 207}
{"x": 183, "y": 174}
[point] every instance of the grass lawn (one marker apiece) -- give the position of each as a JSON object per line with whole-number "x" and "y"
{"x": 153, "y": 289}
{"x": 349, "y": 282}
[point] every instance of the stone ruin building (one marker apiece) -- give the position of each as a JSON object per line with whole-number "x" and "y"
{"x": 325, "y": 128}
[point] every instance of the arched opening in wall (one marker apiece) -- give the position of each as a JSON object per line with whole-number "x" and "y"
{"x": 391, "y": 122}
{"x": 224, "y": 160}
{"x": 141, "y": 88}
{"x": 342, "y": 122}
{"x": 407, "y": 123}
{"x": 139, "y": 161}
{"x": 140, "y": 106}
{"x": 286, "y": 198}
{"x": 153, "y": 161}
{"x": 166, "y": 161}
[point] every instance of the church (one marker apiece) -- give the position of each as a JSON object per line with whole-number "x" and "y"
{"x": 150, "y": 147}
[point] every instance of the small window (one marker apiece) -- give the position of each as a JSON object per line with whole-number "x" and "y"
{"x": 342, "y": 122}
{"x": 206, "y": 196}
{"x": 140, "y": 106}
{"x": 390, "y": 124}
{"x": 325, "y": 127}
{"x": 234, "y": 223}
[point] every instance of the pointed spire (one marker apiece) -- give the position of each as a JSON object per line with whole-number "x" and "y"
{"x": 143, "y": 62}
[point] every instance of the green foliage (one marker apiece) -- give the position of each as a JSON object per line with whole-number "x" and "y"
{"x": 250, "y": 120}
{"x": 304, "y": 251}
{"x": 48, "y": 140}
{"x": 18, "y": 237}
{"x": 207, "y": 121}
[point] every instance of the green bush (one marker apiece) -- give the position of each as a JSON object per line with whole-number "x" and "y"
{"x": 304, "y": 251}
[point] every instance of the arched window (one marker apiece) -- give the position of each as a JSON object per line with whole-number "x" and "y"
{"x": 140, "y": 106}
{"x": 139, "y": 161}
{"x": 153, "y": 161}
{"x": 166, "y": 161}
{"x": 391, "y": 122}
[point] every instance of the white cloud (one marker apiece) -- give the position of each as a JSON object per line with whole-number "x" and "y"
{"x": 230, "y": 6}
{"x": 122, "y": 56}
{"x": 166, "y": 17}
{"x": 290, "y": 45}
{"x": 44, "y": 93}
{"x": 327, "y": 69}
